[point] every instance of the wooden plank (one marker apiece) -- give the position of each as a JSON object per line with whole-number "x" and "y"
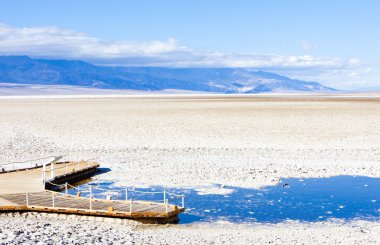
{"x": 42, "y": 202}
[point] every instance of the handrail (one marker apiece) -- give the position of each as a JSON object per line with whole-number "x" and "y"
{"x": 92, "y": 199}
{"x": 76, "y": 165}
{"x": 8, "y": 163}
{"x": 62, "y": 185}
{"x": 28, "y": 164}
{"x": 71, "y": 186}
{"x": 166, "y": 195}
{"x": 66, "y": 165}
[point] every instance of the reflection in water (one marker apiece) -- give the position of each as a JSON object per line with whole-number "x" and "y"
{"x": 313, "y": 199}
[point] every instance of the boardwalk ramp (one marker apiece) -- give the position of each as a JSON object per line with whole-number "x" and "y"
{"x": 28, "y": 189}
{"x": 53, "y": 202}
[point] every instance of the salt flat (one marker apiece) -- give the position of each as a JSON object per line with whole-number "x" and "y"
{"x": 193, "y": 140}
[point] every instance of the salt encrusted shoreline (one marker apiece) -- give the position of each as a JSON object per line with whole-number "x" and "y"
{"x": 32, "y": 229}
{"x": 196, "y": 143}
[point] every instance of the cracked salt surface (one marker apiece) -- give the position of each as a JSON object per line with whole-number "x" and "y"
{"x": 307, "y": 199}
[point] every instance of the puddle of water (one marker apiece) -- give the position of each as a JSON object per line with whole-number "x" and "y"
{"x": 310, "y": 199}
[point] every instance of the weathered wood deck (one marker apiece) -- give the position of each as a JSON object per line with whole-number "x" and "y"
{"x": 25, "y": 190}
{"x": 32, "y": 180}
{"x": 53, "y": 202}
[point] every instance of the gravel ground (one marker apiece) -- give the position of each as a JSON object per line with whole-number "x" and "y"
{"x": 29, "y": 229}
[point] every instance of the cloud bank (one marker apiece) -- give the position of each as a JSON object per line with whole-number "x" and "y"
{"x": 56, "y": 42}
{"x": 53, "y": 42}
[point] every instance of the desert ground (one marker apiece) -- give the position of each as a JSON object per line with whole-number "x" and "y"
{"x": 202, "y": 142}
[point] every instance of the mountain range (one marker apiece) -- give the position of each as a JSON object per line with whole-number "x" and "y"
{"x": 25, "y": 70}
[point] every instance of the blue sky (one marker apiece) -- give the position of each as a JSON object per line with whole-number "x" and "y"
{"x": 333, "y": 42}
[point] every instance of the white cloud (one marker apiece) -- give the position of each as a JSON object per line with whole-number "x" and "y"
{"x": 63, "y": 43}
{"x": 53, "y": 41}
{"x": 258, "y": 61}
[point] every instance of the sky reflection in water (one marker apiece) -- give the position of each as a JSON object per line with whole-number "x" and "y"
{"x": 309, "y": 199}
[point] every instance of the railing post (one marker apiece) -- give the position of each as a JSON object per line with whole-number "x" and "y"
{"x": 66, "y": 188}
{"x": 183, "y": 201}
{"x": 53, "y": 200}
{"x": 130, "y": 206}
{"x": 44, "y": 173}
{"x": 90, "y": 197}
{"x": 126, "y": 194}
{"x": 167, "y": 205}
{"x": 27, "y": 199}
{"x": 164, "y": 196}
{"x": 52, "y": 170}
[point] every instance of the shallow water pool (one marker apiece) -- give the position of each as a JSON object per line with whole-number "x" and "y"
{"x": 309, "y": 199}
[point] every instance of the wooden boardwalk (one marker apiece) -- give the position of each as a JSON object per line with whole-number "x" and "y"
{"x": 53, "y": 202}
{"x": 32, "y": 179}
{"x": 26, "y": 190}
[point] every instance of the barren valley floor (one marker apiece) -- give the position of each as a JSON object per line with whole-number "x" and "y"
{"x": 175, "y": 141}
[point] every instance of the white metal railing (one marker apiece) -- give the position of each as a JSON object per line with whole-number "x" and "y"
{"x": 64, "y": 186}
{"x": 166, "y": 196}
{"x": 29, "y": 202}
{"x": 91, "y": 199}
{"x": 49, "y": 165}
{"x": 27, "y": 164}
{"x": 68, "y": 167}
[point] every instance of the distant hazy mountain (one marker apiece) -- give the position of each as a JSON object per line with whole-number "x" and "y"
{"x": 24, "y": 70}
